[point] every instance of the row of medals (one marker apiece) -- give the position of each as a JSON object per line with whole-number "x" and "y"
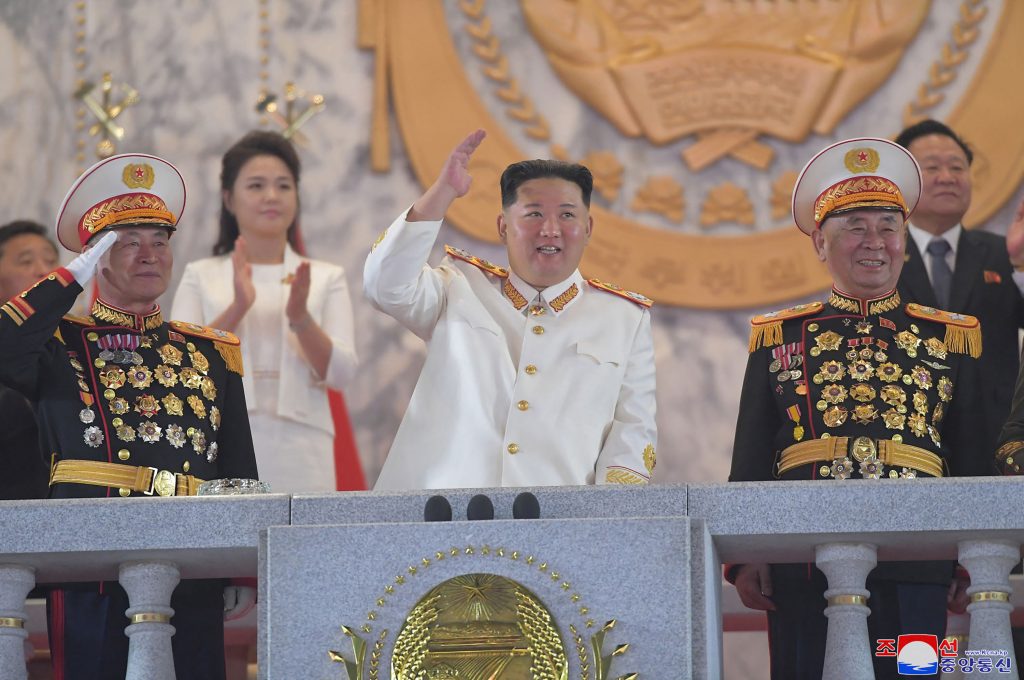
{"x": 860, "y": 370}
{"x": 109, "y": 361}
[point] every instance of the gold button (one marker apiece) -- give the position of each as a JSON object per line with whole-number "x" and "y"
{"x": 109, "y": 394}
{"x": 100, "y": 363}
{"x": 537, "y": 310}
{"x": 897, "y": 438}
{"x": 124, "y": 454}
{"x": 523, "y": 405}
{"x": 92, "y": 337}
{"x": 513, "y": 448}
{"x": 186, "y": 466}
{"x": 124, "y": 492}
{"x": 190, "y": 347}
{"x": 538, "y": 330}
{"x": 531, "y": 369}
{"x": 813, "y": 327}
{"x": 117, "y": 422}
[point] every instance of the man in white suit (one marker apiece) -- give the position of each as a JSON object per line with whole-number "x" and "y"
{"x": 534, "y": 376}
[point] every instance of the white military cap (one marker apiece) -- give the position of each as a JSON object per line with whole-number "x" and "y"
{"x": 856, "y": 173}
{"x": 129, "y": 188}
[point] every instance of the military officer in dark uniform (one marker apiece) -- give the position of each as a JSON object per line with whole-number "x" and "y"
{"x": 128, "y": 403}
{"x": 858, "y": 386}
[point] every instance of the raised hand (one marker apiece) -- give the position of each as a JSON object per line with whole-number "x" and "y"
{"x": 295, "y": 309}
{"x": 245, "y": 290}
{"x": 453, "y": 182}
{"x": 83, "y": 267}
{"x": 1015, "y": 238}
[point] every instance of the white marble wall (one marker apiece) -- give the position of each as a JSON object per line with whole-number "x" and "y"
{"x": 196, "y": 66}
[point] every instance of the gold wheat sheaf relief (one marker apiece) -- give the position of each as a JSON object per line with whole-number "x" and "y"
{"x": 944, "y": 70}
{"x": 487, "y": 48}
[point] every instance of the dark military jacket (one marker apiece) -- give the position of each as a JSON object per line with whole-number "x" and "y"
{"x": 121, "y": 388}
{"x": 878, "y": 369}
{"x": 853, "y": 368}
{"x": 1010, "y": 451}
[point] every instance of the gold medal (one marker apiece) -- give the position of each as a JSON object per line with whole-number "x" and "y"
{"x": 199, "y": 361}
{"x": 832, "y": 371}
{"x": 863, "y": 327}
{"x": 209, "y": 388}
{"x": 922, "y": 377}
{"x": 938, "y": 414}
{"x": 126, "y": 433}
{"x": 829, "y": 341}
{"x": 197, "y": 406}
{"x": 774, "y": 366}
{"x": 835, "y": 416}
{"x": 119, "y": 406}
{"x": 862, "y": 392}
{"x": 149, "y": 431}
{"x": 798, "y": 432}
{"x": 173, "y": 405}
{"x": 175, "y": 436}
{"x": 920, "y": 402}
{"x": 864, "y": 413}
{"x": 170, "y": 354}
{"x": 917, "y": 424}
{"x": 893, "y": 395}
{"x": 861, "y": 370}
{"x": 936, "y": 348}
{"x": 140, "y": 377}
{"x": 893, "y": 419}
{"x": 833, "y": 394}
{"x": 801, "y": 389}
{"x": 215, "y": 424}
{"x": 907, "y": 341}
{"x": 147, "y": 406}
{"x": 112, "y": 377}
{"x": 889, "y": 372}
{"x": 166, "y": 376}
{"x": 945, "y": 388}
{"x": 190, "y": 378}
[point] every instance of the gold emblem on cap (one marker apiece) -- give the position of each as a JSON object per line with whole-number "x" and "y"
{"x": 864, "y": 159}
{"x": 138, "y": 176}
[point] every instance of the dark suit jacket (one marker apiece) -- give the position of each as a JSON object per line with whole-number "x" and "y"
{"x": 982, "y": 287}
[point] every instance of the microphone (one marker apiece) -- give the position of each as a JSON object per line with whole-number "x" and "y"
{"x": 437, "y": 509}
{"x": 480, "y": 507}
{"x": 526, "y": 506}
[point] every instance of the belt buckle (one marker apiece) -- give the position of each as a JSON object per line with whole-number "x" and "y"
{"x": 164, "y": 483}
{"x": 863, "y": 448}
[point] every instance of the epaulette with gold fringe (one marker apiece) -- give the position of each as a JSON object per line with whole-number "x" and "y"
{"x": 227, "y": 344}
{"x": 963, "y": 331}
{"x": 489, "y": 267}
{"x": 639, "y": 299}
{"x": 766, "y": 329}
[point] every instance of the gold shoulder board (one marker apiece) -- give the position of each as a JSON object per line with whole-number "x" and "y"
{"x": 489, "y": 267}
{"x": 227, "y": 344}
{"x": 963, "y": 331}
{"x": 637, "y": 298}
{"x": 80, "y": 320}
{"x": 766, "y": 329}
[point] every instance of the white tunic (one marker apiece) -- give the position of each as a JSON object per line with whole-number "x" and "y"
{"x": 520, "y": 387}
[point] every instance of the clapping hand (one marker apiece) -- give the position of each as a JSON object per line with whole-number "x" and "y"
{"x": 245, "y": 290}
{"x": 295, "y": 309}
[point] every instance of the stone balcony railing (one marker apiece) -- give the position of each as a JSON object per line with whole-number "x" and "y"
{"x": 148, "y": 544}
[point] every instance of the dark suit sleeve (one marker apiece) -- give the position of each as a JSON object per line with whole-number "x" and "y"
{"x": 27, "y": 323}
{"x": 1011, "y": 439}
{"x": 753, "y": 451}
{"x": 237, "y": 457}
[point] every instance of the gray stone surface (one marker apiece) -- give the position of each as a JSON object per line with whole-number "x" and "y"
{"x": 86, "y": 539}
{"x": 847, "y": 646}
{"x": 319, "y": 578}
{"x": 15, "y": 582}
{"x": 783, "y": 521}
{"x": 555, "y": 502}
{"x": 989, "y": 563}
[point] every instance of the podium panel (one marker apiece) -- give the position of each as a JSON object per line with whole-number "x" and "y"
{"x": 592, "y": 599}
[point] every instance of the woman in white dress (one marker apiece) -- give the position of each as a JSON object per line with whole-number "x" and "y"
{"x": 293, "y": 314}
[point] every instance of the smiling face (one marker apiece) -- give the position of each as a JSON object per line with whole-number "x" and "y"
{"x": 264, "y": 198}
{"x": 24, "y": 259}
{"x": 946, "y": 193}
{"x": 137, "y": 269}
{"x": 545, "y": 230}
{"x": 863, "y": 250}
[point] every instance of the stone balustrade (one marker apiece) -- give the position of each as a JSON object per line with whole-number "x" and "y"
{"x": 659, "y": 549}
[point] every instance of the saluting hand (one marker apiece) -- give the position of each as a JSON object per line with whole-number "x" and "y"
{"x": 245, "y": 290}
{"x": 1015, "y": 238}
{"x": 298, "y": 296}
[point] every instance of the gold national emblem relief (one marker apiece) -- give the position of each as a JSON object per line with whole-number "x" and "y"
{"x": 727, "y": 88}
{"x": 481, "y": 626}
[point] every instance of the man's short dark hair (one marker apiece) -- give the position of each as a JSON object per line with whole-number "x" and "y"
{"x": 20, "y": 227}
{"x": 523, "y": 171}
{"x": 932, "y": 127}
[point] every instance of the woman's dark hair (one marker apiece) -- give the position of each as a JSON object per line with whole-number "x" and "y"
{"x": 256, "y": 143}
